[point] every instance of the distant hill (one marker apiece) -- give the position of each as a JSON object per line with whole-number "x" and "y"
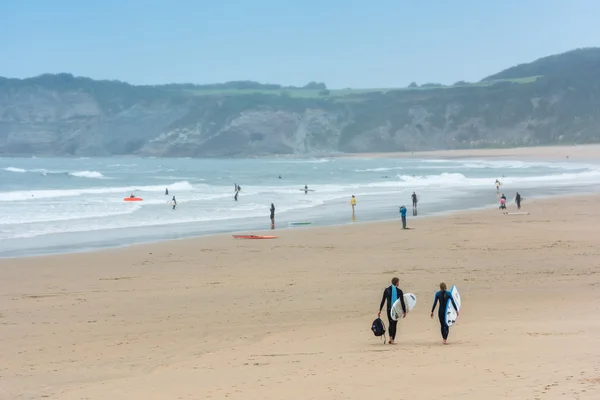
{"x": 552, "y": 100}
{"x": 565, "y": 64}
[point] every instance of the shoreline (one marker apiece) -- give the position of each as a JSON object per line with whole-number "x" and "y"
{"x": 552, "y": 151}
{"x": 311, "y": 228}
{"x": 558, "y": 152}
{"x": 290, "y": 318}
{"x": 267, "y": 231}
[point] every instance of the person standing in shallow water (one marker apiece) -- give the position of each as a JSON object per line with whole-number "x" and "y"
{"x": 442, "y": 297}
{"x": 390, "y": 295}
{"x": 272, "y": 216}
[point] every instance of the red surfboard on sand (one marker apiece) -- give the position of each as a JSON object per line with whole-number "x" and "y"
{"x": 253, "y": 237}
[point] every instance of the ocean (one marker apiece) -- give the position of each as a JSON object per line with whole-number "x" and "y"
{"x": 57, "y": 205}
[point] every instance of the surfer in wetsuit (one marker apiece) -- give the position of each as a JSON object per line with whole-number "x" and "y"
{"x": 132, "y": 196}
{"x": 518, "y": 201}
{"x": 442, "y": 297}
{"x": 305, "y": 189}
{"x": 174, "y": 202}
{"x": 415, "y": 199}
{"x": 166, "y": 191}
{"x": 390, "y": 295}
{"x": 272, "y": 216}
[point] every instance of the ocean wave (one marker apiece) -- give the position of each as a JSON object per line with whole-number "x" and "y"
{"x": 13, "y": 169}
{"x": 48, "y": 194}
{"x": 121, "y": 165}
{"x": 378, "y": 169}
{"x": 78, "y": 174}
{"x": 87, "y": 174}
{"x": 47, "y": 213}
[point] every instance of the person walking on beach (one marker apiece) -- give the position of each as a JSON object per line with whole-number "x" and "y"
{"x": 518, "y": 201}
{"x": 498, "y": 183}
{"x": 353, "y": 203}
{"x": 442, "y": 297}
{"x": 272, "y": 216}
{"x": 390, "y": 295}
{"x": 415, "y": 199}
{"x": 403, "y": 216}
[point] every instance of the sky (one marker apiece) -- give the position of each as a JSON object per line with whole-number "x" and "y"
{"x": 344, "y": 43}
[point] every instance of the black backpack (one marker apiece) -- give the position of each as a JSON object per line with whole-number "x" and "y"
{"x": 378, "y": 328}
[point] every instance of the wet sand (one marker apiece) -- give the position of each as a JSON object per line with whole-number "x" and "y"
{"x": 216, "y": 318}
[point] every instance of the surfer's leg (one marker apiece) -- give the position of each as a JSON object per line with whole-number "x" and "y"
{"x": 391, "y": 327}
{"x": 443, "y": 327}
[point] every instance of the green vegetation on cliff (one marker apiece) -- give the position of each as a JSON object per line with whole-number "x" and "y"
{"x": 552, "y": 100}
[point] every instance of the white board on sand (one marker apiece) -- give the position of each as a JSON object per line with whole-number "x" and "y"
{"x": 518, "y": 213}
{"x": 451, "y": 313}
{"x": 410, "y": 301}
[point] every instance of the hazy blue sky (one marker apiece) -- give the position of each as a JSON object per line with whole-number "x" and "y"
{"x": 344, "y": 43}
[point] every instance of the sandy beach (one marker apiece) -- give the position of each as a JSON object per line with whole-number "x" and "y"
{"x": 216, "y": 318}
{"x": 573, "y": 152}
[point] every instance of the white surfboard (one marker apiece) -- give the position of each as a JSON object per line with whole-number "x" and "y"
{"x": 518, "y": 213}
{"x": 410, "y": 301}
{"x": 451, "y": 313}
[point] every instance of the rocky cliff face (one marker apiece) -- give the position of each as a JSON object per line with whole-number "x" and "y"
{"x": 63, "y": 115}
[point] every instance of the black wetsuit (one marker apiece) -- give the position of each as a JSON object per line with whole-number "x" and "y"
{"x": 414, "y": 200}
{"x": 272, "y": 214}
{"x": 518, "y": 201}
{"x": 387, "y": 297}
{"x": 174, "y": 203}
{"x": 442, "y": 297}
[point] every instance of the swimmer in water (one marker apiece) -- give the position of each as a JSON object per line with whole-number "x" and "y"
{"x": 166, "y": 191}
{"x": 174, "y": 203}
{"x": 305, "y": 189}
{"x": 132, "y": 196}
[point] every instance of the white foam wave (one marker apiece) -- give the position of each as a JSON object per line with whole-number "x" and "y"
{"x": 50, "y": 213}
{"x": 47, "y": 194}
{"x": 78, "y": 174}
{"x": 378, "y": 169}
{"x": 87, "y": 174}
{"x": 122, "y": 165}
{"x": 13, "y": 169}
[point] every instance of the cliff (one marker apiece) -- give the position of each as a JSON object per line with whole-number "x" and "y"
{"x": 552, "y": 100}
